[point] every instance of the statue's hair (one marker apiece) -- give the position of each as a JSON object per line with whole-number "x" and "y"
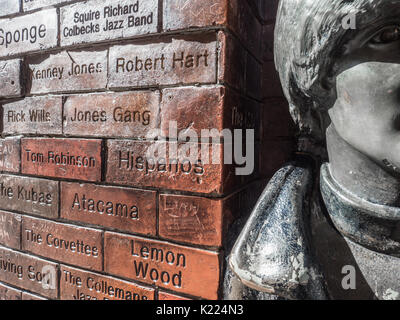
{"x": 309, "y": 39}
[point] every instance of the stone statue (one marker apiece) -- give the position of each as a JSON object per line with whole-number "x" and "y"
{"x": 328, "y": 225}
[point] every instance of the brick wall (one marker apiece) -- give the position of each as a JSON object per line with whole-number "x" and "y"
{"x": 83, "y": 213}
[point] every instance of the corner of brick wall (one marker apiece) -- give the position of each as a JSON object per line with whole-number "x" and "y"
{"x": 57, "y": 96}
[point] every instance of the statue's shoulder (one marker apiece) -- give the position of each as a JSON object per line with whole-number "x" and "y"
{"x": 272, "y": 253}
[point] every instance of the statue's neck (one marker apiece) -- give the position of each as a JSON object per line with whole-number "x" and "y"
{"x": 359, "y": 174}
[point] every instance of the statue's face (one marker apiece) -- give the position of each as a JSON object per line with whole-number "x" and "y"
{"x": 367, "y": 111}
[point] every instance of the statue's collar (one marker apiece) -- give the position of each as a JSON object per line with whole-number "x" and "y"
{"x": 374, "y": 226}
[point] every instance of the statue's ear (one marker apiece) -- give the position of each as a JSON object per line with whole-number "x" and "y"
{"x": 272, "y": 253}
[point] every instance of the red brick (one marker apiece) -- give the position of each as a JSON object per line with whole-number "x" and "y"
{"x": 191, "y": 219}
{"x": 10, "y": 149}
{"x": 8, "y": 293}
{"x": 182, "y": 269}
{"x": 184, "y": 14}
{"x": 128, "y": 67}
{"x": 44, "y": 157}
{"x": 89, "y": 71}
{"x": 145, "y": 170}
{"x": 124, "y": 209}
{"x": 78, "y": 284}
{"x": 169, "y": 296}
{"x": 193, "y": 108}
{"x": 10, "y": 229}
{"x": 66, "y": 243}
{"x": 231, "y": 61}
{"x": 33, "y": 115}
{"x": 130, "y": 114}
{"x": 28, "y": 272}
{"x": 29, "y": 296}
{"x": 207, "y": 108}
{"x": 29, "y": 195}
{"x": 203, "y": 221}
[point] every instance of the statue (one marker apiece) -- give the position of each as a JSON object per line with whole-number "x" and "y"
{"x": 328, "y": 225}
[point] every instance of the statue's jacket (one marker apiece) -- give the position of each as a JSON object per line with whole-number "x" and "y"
{"x": 310, "y": 240}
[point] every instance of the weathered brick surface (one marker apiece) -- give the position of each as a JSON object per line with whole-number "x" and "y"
{"x": 29, "y": 195}
{"x": 192, "y": 108}
{"x": 9, "y": 7}
{"x": 202, "y": 221}
{"x": 10, "y": 229}
{"x": 124, "y": 209}
{"x": 132, "y": 114}
{"x": 150, "y": 164}
{"x": 191, "y": 219}
{"x": 33, "y": 115}
{"x": 90, "y": 92}
{"x": 82, "y": 285}
{"x": 28, "y": 272}
{"x": 10, "y": 149}
{"x": 8, "y": 293}
{"x": 10, "y": 73}
{"x": 68, "y": 71}
{"x": 231, "y": 54}
{"x": 66, "y": 243}
{"x": 176, "y": 61}
{"x": 178, "y": 268}
{"x": 35, "y": 32}
{"x": 63, "y": 158}
{"x": 182, "y": 14}
{"x": 104, "y": 20}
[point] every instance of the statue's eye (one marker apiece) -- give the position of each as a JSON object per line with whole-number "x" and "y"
{"x": 387, "y": 35}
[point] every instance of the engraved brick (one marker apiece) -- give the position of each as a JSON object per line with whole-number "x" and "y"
{"x": 10, "y": 72}
{"x": 10, "y": 229}
{"x": 29, "y": 296}
{"x": 8, "y": 293}
{"x": 165, "y": 165}
{"x": 164, "y": 63}
{"x": 35, "y": 115}
{"x": 203, "y": 221}
{"x": 105, "y": 20}
{"x": 131, "y": 114}
{"x": 82, "y": 285}
{"x": 29, "y": 195}
{"x": 191, "y": 219}
{"x": 9, "y": 7}
{"x": 224, "y": 109}
{"x": 68, "y": 71}
{"x": 34, "y": 32}
{"x": 10, "y": 149}
{"x": 66, "y": 243}
{"x": 29, "y": 273}
{"x": 182, "y": 14}
{"x": 62, "y": 158}
{"x": 188, "y": 106}
{"x": 29, "y": 5}
{"x": 182, "y": 269}
{"x": 124, "y": 209}
{"x": 168, "y": 296}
